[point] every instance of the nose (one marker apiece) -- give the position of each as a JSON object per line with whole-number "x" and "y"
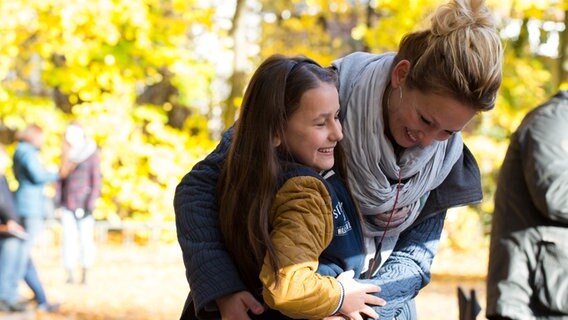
{"x": 336, "y": 132}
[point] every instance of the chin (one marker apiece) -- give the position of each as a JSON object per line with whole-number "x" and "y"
{"x": 404, "y": 144}
{"x": 323, "y": 167}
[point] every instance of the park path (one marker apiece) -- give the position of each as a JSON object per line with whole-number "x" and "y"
{"x": 133, "y": 282}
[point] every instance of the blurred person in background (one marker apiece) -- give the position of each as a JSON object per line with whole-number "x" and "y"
{"x": 76, "y": 196}
{"x": 30, "y": 205}
{"x": 528, "y": 256}
{"x": 12, "y": 237}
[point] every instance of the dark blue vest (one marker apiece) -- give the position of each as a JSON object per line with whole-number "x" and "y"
{"x": 346, "y": 250}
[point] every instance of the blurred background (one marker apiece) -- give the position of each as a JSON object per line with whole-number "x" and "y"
{"x": 155, "y": 82}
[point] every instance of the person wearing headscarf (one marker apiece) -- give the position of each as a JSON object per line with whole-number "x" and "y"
{"x": 76, "y": 195}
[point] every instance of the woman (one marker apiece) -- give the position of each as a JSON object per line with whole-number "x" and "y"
{"x": 402, "y": 114}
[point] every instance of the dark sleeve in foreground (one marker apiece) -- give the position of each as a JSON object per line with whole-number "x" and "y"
{"x": 407, "y": 270}
{"x": 210, "y": 270}
{"x": 7, "y": 205}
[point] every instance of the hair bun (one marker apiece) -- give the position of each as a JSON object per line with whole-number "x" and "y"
{"x": 461, "y": 14}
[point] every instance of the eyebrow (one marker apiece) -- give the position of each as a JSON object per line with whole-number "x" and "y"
{"x": 323, "y": 115}
{"x": 327, "y": 114}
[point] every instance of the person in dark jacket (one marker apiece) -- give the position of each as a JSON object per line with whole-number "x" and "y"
{"x": 402, "y": 114}
{"x": 528, "y": 257}
{"x": 11, "y": 243}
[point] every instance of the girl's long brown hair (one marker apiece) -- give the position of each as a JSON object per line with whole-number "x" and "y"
{"x": 249, "y": 177}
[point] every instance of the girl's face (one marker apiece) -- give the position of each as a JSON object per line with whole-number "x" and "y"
{"x": 313, "y": 130}
{"x": 418, "y": 119}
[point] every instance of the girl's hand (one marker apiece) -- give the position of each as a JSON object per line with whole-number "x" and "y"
{"x": 358, "y": 298}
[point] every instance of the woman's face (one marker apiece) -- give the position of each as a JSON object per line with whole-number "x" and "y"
{"x": 416, "y": 119}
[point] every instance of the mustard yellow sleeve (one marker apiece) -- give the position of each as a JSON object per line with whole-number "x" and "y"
{"x": 302, "y": 229}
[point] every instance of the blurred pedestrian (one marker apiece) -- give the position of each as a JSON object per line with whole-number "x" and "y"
{"x": 528, "y": 257}
{"x": 12, "y": 235}
{"x": 30, "y": 204}
{"x": 76, "y": 195}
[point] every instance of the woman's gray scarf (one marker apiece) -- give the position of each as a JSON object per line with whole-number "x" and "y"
{"x": 363, "y": 78}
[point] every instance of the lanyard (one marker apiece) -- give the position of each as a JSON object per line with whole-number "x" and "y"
{"x": 375, "y": 262}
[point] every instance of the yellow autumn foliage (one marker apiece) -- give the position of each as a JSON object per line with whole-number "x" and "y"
{"x": 102, "y": 56}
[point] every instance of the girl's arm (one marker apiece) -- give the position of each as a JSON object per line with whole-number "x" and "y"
{"x": 302, "y": 228}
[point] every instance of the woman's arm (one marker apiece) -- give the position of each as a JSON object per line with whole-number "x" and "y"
{"x": 407, "y": 270}
{"x": 210, "y": 272}
{"x": 35, "y": 169}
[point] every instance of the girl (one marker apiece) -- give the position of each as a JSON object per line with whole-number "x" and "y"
{"x": 277, "y": 215}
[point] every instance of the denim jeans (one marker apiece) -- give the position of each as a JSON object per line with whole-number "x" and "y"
{"x": 77, "y": 234}
{"x": 26, "y": 269}
{"x": 11, "y": 256}
{"x": 32, "y": 280}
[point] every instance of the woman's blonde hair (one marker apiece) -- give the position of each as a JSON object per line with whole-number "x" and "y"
{"x": 459, "y": 56}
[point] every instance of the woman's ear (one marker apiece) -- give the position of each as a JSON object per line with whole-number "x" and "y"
{"x": 399, "y": 73}
{"x": 276, "y": 141}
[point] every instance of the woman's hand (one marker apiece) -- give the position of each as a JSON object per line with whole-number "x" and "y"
{"x": 235, "y": 306}
{"x": 13, "y": 226}
{"x": 358, "y": 298}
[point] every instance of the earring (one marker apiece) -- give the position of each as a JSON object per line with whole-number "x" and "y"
{"x": 400, "y": 93}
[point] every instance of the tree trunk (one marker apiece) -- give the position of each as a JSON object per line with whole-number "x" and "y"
{"x": 237, "y": 79}
{"x": 563, "y": 53}
{"x": 521, "y": 45}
